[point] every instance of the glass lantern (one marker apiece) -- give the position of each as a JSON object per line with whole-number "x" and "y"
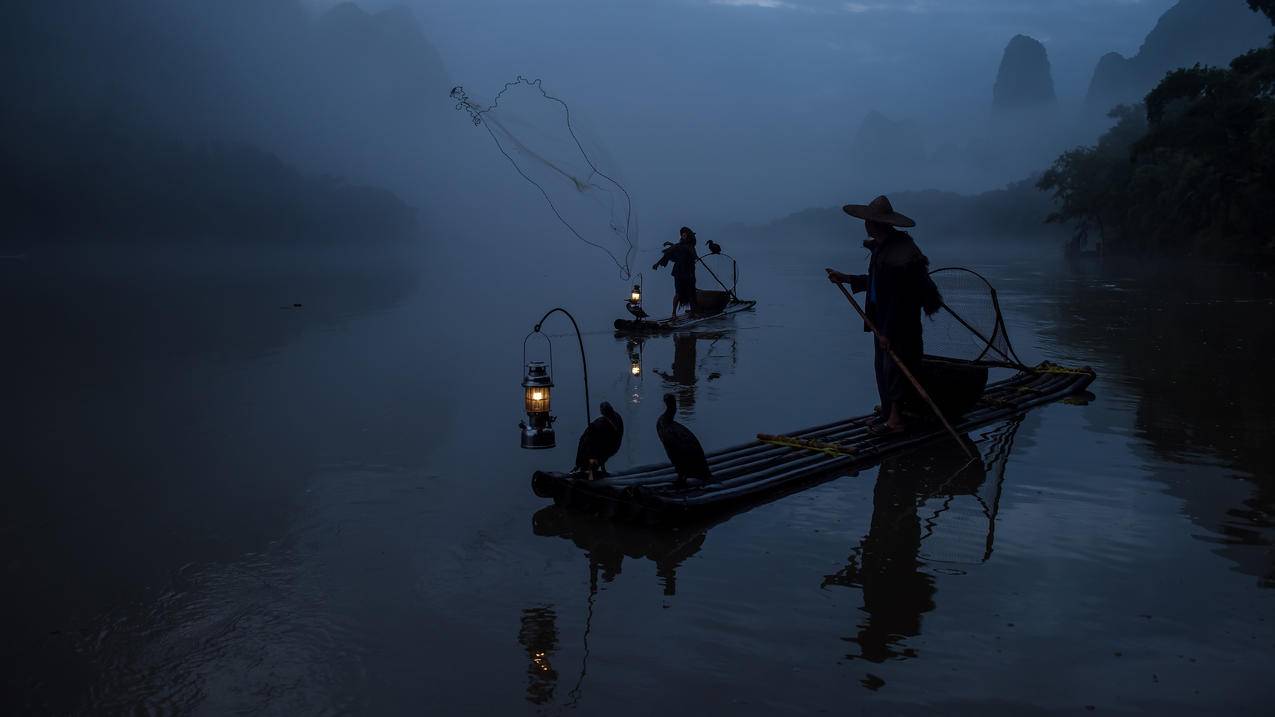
{"x": 537, "y": 385}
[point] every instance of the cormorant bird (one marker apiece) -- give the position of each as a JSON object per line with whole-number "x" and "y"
{"x": 600, "y": 440}
{"x": 714, "y": 247}
{"x": 636, "y": 309}
{"x": 683, "y": 448}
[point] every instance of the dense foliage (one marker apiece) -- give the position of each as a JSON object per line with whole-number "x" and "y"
{"x": 1191, "y": 171}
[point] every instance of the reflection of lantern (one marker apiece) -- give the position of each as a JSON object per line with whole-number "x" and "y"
{"x": 635, "y": 357}
{"x": 636, "y": 296}
{"x": 537, "y": 384}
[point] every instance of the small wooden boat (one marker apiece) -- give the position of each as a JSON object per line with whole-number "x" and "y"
{"x": 685, "y": 321}
{"x": 760, "y": 469}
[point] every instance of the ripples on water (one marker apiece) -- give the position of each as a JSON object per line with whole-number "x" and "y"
{"x": 326, "y": 511}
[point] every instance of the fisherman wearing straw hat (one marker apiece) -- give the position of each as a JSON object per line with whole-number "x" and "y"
{"x": 899, "y": 287}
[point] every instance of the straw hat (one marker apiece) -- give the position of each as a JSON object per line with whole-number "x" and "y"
{"x": 879, "y": 210}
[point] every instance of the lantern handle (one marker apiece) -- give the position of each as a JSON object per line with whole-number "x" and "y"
{"x": 547, "y": 341}
{"x": 584, "y": 363}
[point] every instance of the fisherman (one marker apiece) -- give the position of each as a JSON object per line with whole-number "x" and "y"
{"x": 899, "y": 288}
{"x": 683, "y": 256}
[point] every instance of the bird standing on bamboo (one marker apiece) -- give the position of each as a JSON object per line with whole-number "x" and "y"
{"x": 898, "y": 288}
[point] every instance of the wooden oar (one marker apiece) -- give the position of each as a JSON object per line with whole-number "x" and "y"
{"x": 899, "y": 362}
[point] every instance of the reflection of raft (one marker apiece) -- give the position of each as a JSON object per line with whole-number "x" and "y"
{"x": 717, "y": 310}
{"x": 750, "y": 471}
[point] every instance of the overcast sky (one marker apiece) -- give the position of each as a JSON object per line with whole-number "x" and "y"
{"x": 677, "y": 87}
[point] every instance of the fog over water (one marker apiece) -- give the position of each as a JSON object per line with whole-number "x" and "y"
{"x": 700, "y": 100}
{"x": 266, "y": 290}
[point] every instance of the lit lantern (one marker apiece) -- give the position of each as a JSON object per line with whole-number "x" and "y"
{"x": 635, "y": 297}
{"x": 635, "y": 367}
{"x": 537, "y": 385}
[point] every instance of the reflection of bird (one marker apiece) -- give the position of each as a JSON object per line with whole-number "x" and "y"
{"x": 683, "y": 448}
{"x": 714, "y": 247}
{"x": 600, "y": 440}
{"x": 636, "y": 309}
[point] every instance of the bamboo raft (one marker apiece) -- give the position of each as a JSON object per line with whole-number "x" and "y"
{"x": 685, "y": 321}
{"x": 760, "y": 469}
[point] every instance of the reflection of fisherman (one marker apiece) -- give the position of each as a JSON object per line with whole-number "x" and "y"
{"x": 887, "y": 566}
{"x": 899, "y": 286}
{"x": 685, "y": 363}
{"x": 683, "y": 256}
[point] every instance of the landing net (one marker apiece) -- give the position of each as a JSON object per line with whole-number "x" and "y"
{"x": 970, "y": 325}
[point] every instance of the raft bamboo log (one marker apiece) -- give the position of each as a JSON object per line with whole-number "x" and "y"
{"x": 835, "y": 449}
{"x": 755, "y": 453}
{"x": 899, "y": 362}
{"x": 756, "y": 472}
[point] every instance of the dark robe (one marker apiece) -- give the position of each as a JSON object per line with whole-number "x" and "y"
{"x": 683, "y": 256}
{"x": 898, "y": 285}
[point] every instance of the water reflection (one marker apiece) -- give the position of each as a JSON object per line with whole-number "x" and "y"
{"x": 697, "y": 357}
{"x": 538, "y": 634}
{"x": 1192, "y": 348}
{"x": 720, "y": 356}
{"x": 932, "y": 509}
{"x": 606, "y": 543}
{"x": 887, "y": 566}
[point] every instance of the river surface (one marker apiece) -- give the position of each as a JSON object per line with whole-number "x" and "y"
{"x": 218, "y": 502}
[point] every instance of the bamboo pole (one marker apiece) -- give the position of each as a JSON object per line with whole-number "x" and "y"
{"x": 899, "y": 362}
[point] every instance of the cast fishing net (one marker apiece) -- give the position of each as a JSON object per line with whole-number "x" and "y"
{"x": 969, "y": 326}
{"x": 535, "y": 132}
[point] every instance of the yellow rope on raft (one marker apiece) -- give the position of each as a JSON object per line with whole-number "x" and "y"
{"x": 836, "y": 449}
{"x": 832, "y": 449}
{"x": 1047, "y": 367}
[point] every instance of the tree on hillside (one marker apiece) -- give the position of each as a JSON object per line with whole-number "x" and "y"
{"x": 1191, "y": 172}
{"x": 1266, "y": 7}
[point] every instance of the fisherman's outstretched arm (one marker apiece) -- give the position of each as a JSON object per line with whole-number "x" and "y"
{"x": 857, "y": 282}
{"x": 664, "y": 260}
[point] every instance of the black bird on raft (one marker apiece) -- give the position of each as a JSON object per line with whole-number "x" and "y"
{"x": 714, "y": 247}
{"x": 637, "y": 310}
{"x": 601, "y": 440}
{"x": 683, "y": 448}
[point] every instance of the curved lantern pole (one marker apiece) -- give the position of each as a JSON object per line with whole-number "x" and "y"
{"x": 537, "y": 382}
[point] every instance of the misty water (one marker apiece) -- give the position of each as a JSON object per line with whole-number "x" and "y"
{"x": 219, "y": 501}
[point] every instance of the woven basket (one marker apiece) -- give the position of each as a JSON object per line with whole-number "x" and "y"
{"x": 711, "y": 302}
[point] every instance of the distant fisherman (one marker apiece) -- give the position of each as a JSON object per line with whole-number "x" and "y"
{"x": 899, "y": 288}
{"x": 683, "y": 256}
